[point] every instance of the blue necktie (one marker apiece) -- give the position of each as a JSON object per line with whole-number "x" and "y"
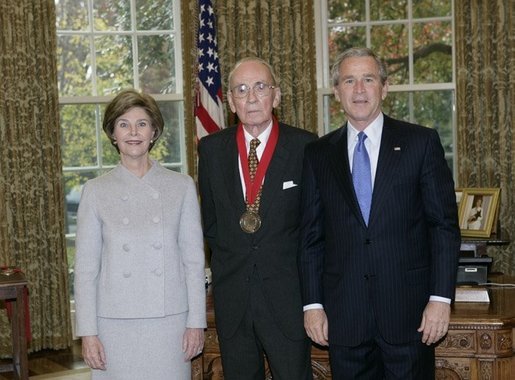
{"x": 362, "y": 177}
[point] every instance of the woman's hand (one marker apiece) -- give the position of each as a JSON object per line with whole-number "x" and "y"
{"x": 192, "y": 343}
{"x": 93, "y": 352}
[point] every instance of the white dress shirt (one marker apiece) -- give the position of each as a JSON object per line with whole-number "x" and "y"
{"x": 263, "y": 138}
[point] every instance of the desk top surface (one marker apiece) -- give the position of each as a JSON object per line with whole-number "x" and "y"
{"x": 500, "y": 311}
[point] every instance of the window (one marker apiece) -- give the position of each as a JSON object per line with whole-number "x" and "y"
{"x": 416, "y": 39}
{"x": 105, "y": 46}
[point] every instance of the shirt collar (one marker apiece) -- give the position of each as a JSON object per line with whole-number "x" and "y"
{"x": 263, "y": 137}
{"x": 373, "y": 130}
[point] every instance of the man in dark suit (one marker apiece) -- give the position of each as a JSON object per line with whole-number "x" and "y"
{"x": 380, "y": 239}
{"x": 250, "y": 199}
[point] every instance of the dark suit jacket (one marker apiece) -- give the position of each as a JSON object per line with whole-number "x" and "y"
{"x": 409, "y": 250}
{"x": 272, "y": 250}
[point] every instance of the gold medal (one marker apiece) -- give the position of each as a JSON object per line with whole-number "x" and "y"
{"x": 250, "y": 222}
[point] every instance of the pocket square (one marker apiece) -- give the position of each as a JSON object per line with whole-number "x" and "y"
{"x": 288, "y": 185}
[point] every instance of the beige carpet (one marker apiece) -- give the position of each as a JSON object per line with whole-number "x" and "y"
{"x": 74, "y": 374}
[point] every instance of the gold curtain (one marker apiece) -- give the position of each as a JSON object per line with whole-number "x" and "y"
{"x": 280, "y": 31}
{"x": 485, "y": 94}
{"x": 31, "y": 194}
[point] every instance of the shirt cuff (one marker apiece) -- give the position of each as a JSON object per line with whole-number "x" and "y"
{"x": 312, "y": 306}
{"x": 440, "y": 299}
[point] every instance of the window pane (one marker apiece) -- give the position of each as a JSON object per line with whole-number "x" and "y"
{"x": 388, "y": 9}
{"x": 74, "y": 66}
{"x": 78, "y": 127}
{"x": 391, "y": 43}
{"x": 345, "y": 11}
{"x": 168, "y": 148}
{"x": 157, "y": 64}
{"x": 434, "y": 109}
{"x": 343, "y": 37}
{"x": 110, "y": 156}
{"x": 70, "y": 15}
{"x": 433, "y": 52}
{"x": 154, "y": 14}
{"x": 432, "y": 8}
{"x": 70, "y": 252}
{"x": 112, "y": 15}
{"x": 333, "y": 113}
{"x": 397, "y": 105}
{"x": 114, "y": 64}
{"x": 73, "y": 183}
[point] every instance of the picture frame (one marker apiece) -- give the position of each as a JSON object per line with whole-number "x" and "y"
{"x": 478, "y": 208}
{"x": 459, "y": 193}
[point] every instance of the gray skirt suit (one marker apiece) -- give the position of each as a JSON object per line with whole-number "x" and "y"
{"x": 139, "y": 271}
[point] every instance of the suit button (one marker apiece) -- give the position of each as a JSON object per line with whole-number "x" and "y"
{"x": 247, "y": 279}
{"x": 125, "y": 221}
{"x": 155, "y": 195}
{"x": 156, "y": 219}
{"x": 255, "y": 247}
{"x": 127, "y": 274}
{"x": 366, "y": 277}
{"x": 367, "y": 241}
{"x": 126, "y": 247}
{"x": 157, "y": 245}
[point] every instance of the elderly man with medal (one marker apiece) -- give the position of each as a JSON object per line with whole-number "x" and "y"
{"x": 249, "y": 183}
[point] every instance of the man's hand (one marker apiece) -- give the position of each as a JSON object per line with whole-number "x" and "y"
{"x": 435, "y": 321}
{"x": 315, "y": 323}
{"x": 93, "y": 352}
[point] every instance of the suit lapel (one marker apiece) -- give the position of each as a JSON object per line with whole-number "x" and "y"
{"x": 231, "y": 172}
{"x": 339, "y": 162}
{"x": 392, "y": 146}
{"x": 275, "y": 173}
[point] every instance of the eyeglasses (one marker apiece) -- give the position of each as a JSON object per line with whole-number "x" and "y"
{"x": 260, "y": 89}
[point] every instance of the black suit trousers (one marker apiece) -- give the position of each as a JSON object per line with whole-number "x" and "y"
{"x": 243, "y": 354}
{"x": 376, "y": 359}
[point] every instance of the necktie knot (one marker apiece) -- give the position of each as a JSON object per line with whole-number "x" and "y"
{"x": 361, "y": 140}
{"x": 254, "y": 143}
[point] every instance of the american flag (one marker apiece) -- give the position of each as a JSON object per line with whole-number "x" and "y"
{"x": 209, "y": 114}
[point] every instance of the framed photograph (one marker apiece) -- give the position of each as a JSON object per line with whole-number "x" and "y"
{"x": 459, "y": 194}
{"x": 477, "y": 211}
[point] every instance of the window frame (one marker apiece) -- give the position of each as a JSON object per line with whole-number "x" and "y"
{"x": 324, "y": 86}
{"x": 99, "y": 101}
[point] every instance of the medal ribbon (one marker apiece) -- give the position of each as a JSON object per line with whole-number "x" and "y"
{"x": 252, "y": 187}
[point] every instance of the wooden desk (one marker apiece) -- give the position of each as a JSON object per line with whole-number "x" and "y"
{"x": 12, "y": 289}
{"x": 479, "y": 345}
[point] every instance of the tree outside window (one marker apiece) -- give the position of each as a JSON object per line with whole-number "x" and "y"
{"x": 415, "y": 37}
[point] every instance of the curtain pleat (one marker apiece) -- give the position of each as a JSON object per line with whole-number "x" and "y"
{"x": 485, "y": 96}
{"x": 31, "y": 194}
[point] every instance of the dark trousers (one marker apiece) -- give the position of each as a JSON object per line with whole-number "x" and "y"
{"x": 376, "y": 359}
{"x": 258, "y": 335}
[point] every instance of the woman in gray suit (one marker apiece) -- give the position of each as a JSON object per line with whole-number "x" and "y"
{"x": 139, "y": 271}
